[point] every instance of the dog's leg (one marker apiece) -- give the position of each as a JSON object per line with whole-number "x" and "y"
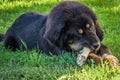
{"x": 107, "y": 55}
{"x": 82, "y": 56}
{"x": 11, "y": 43}
{"x": 95, "y": 57}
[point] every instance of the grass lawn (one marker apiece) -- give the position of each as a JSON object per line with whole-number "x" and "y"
{"x": 30, "y": 65}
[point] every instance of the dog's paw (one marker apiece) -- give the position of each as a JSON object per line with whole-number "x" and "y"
{"x": 110, "y": 58}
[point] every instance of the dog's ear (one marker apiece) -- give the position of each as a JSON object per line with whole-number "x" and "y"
{"x": 54, "y": 25}
{"x": 99, "y": 31}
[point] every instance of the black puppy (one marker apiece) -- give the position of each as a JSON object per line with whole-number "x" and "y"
{"x": 70, "y": 26}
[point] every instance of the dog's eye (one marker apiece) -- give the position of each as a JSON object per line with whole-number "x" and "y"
{"x": 88, "y": 26}
{"x": 80, "y": 31}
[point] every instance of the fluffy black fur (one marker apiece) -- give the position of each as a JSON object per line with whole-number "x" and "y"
{"x": 1, "y": 37}
{"x": 50, "y": 33}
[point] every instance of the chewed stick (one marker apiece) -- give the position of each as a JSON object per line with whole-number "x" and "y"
{"x": 82, "y": 56}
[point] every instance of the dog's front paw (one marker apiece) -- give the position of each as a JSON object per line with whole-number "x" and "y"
{"x": 110, "y": 58}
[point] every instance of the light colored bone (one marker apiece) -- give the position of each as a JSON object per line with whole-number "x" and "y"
{"x": 82, "y": 56}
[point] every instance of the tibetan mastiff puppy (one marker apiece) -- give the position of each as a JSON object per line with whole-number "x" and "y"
{"x": 70, "y": 26}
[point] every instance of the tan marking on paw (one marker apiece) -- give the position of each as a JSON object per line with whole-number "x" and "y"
{"x": 112, "y": 59}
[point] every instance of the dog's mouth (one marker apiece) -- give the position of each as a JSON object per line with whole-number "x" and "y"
{"x": 78, "y": 47}
{"x": 83, "y": 49}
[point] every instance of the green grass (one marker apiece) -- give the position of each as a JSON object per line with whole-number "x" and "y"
{"x": 30, "y": 65}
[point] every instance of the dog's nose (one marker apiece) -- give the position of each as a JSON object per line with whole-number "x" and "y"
{"x": 95, "y": 45}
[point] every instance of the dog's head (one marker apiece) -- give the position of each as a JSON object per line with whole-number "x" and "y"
{"x": 72, "y": 26}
